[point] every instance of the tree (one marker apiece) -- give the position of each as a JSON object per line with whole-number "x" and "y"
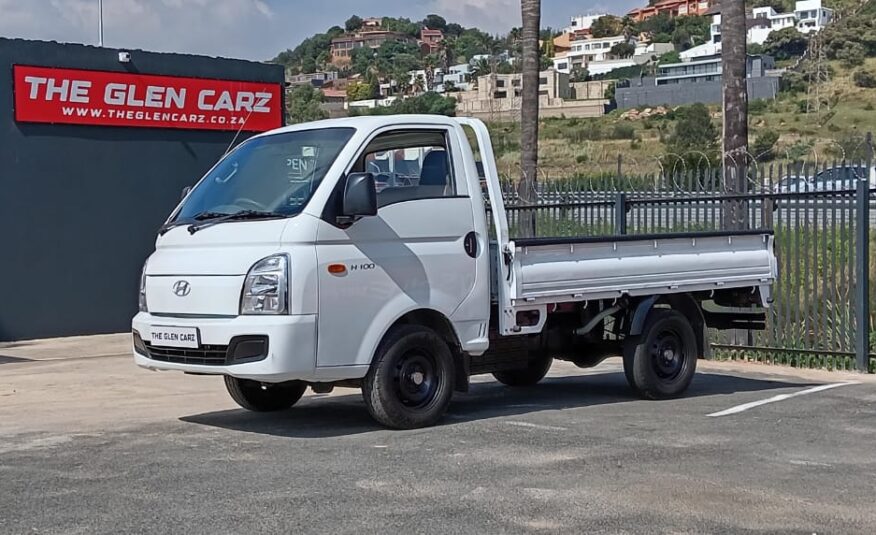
{"x": 763, "y": 148}
{"x": 735, "y": 62}
{"x": 607, "y": 26}
{"x": 695, "y": 139}
{"x": 786, "y": 43}
{"x": 435, "y": 22}
{"x": 852, "y": 55}
{"x": 579, "y": 74}
{"x": 669, "y": 58}
{"x": 623, "y": 50}
{"x": 353, "y": 23}
{"x": 361, "y": 91}
{"x": 531, "y": 13}
{"x": 481, "y": 68}
{"x": 303, "y": 104}
{"x": 430, "y": 103}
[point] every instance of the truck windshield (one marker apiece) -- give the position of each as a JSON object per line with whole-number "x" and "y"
{"x": 272, "y": 174}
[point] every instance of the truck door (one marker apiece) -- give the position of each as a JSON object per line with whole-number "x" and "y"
{"x": 416, "y": 253}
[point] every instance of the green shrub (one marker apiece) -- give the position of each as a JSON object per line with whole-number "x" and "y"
{"x": 865, "y": 79}
{"x": 764, "y": 146}
{"x": 758, "y": 107}
{"x": 623, "y": 131}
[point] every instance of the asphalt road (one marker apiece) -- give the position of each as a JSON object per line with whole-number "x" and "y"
{"x": 91, "y": 444}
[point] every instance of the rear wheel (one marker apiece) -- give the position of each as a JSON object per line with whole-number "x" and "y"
{"x": 531, "y": 375}
{"x": 264, "y": 397}
{"x": 411, "y": 380}
{"x": 661, "y": 362}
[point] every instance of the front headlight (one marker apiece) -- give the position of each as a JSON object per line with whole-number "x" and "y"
{"x": 142, "y": 299}
{"x": 264, "y": 290}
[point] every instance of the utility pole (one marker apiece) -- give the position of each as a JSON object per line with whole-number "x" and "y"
{"x": 100, "y": 22}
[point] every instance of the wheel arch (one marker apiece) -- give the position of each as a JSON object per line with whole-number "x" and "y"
{"x": 683, "y": 303}
{"x": 442, "y": 326}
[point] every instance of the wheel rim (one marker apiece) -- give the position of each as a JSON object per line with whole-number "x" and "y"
{"x": 667, "y": 355}
{"x": 416, "y": 379}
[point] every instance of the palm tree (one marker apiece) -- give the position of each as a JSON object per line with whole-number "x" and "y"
{"x": 531, "y": 11}
{"x": 419, "y": 84}
{"x": 734, "y": 52}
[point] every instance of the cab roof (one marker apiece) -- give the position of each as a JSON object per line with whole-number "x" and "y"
{"x": 368, "y": 122}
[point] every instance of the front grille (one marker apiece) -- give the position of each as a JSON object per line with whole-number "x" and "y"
{"x": 205, "y": 356}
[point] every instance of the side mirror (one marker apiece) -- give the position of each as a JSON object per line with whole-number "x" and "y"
{"x": 360, "y": 195}
{"x": 185, "y": 192}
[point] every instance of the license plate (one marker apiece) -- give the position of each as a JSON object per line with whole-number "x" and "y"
{"x": 183, "y": 337}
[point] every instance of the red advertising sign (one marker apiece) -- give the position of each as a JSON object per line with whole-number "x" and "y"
{"x": 47, "y": 95}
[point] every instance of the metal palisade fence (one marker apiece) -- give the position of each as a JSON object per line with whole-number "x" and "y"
{"x": 824, "y": 222}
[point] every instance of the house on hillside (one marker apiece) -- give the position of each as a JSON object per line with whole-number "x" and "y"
{"x": 498, "y": 97}
{"x": 584, "y": 52}
{"x": 430, "y": 40}
{"x": 809, "y": 16}
{"x": 342, "y": 47}
{"x": 671, "y": 8}
{"x": 316, "y": 79}
{"x": 581, "y": 24}
{"x": 693, "y": 82}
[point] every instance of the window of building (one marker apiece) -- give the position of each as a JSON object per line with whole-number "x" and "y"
{"x": 542, "y": 81}
{"x": 515, "y": 82}
{"x": 543, "y": 93}
{"x": 562, "y": 66}
{"x": 500, "y": 94}
{"x": 500, "y": 83}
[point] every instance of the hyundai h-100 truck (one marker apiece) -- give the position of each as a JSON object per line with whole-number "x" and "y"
{"x": 358, "y": 253}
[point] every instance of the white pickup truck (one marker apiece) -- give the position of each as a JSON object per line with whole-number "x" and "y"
{"x": 357, "y": 252}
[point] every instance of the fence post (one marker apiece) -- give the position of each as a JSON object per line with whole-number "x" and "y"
{"x": 862, "y": 265}
{"x": 620, "y": 214}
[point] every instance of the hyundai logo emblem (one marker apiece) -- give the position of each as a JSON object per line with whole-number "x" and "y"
{"x": 182, "y": 288}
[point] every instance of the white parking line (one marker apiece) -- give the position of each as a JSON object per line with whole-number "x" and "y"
{"x": 536, "y": 426}
{"x": 781, "y": 397}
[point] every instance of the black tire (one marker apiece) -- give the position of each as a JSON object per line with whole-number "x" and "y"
{"x": 531, "y": 375}
{"x": 661, "y": 362}
{"x": 264, "y": 397}
{"x": 411, "y": 380}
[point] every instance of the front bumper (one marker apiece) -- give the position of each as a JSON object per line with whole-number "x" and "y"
{"x": 291, "y": 353}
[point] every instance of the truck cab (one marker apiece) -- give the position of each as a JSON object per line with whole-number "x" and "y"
{"x": 358, "y": 252}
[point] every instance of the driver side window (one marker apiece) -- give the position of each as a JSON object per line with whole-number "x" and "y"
{"x": 408, "y": 166}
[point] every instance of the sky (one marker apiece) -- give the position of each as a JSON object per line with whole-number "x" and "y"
{"x": 254, "y": 29}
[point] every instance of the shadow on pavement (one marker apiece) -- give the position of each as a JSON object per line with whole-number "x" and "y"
{"x": 335, "y": 416}
{"x": 12, "y": 360}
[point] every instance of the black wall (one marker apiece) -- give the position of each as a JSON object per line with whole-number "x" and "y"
{"x": 80, "y": 205}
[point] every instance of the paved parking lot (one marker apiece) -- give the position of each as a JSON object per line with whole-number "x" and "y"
{"x": 90, "y": 444}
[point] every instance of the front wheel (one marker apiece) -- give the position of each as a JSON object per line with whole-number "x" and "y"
{"x": 264, "y": 397}
{"x": 411, "y": 380}
{"x": 661, "y": 362}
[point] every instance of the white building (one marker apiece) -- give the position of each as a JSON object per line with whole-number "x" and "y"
{"x": 812, "y": 16}
{"x": 599, "y": 60}
{"x": 809, "y": 16}
{"x": 459, "y": 76}
{"x": 582, "y": 22}
{"x": 587, "y": 51}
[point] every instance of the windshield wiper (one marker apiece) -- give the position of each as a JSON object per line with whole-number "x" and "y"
{"x": 167, "y": 227}
{"x": 214, "y": 218}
